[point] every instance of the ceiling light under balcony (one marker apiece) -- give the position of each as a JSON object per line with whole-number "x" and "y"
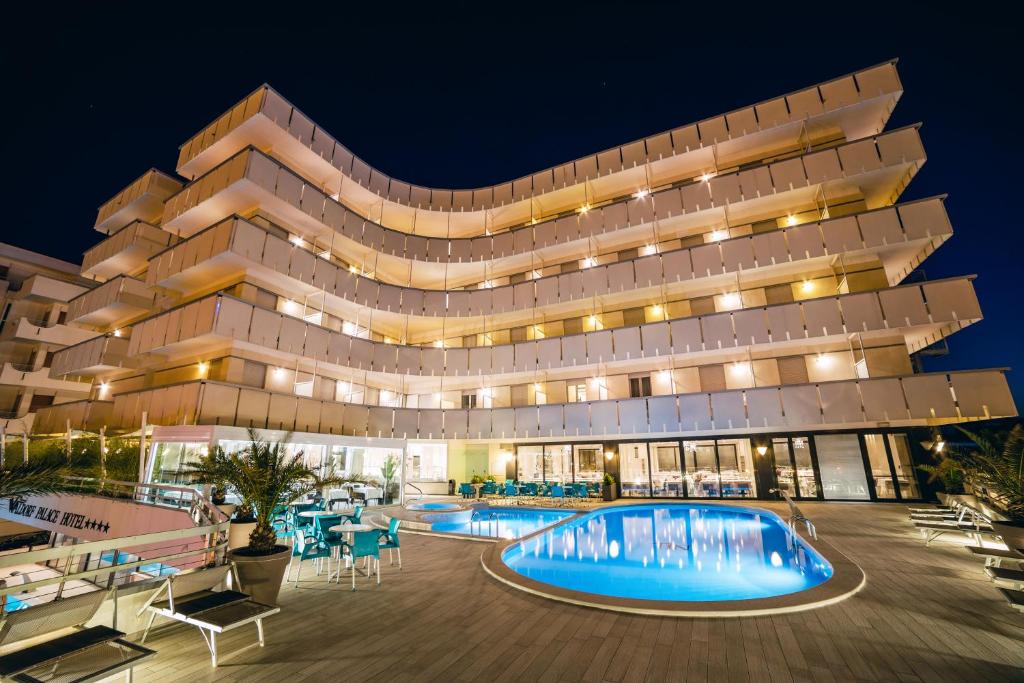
{"x": 641, "y": 193}
{"x": 353, "y": 269}
{"x": 585, "y": 208}
{"x": 807, "y": 286}
{"x": 656, "y": 309}
{"x": 202, "y": 367}
{"x": 823, "y": 360}
{"x": 705, "y": 177}
{"x": 649, "y": 249}
{"x": 719, "y": 235}
{"x": 589, "y": 262}
{"x": 731, "y": 299}
{"x": 296, "y": 240}
{"x": 791, "y": 220}
{"x": 117, "y": 333}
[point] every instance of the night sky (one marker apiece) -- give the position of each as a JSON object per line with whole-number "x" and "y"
{"x": 467, "y": 94}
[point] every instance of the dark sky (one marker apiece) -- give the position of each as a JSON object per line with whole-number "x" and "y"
{"x": 470, "y": 94}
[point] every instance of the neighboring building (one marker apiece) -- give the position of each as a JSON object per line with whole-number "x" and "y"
{"x": 34, "y": 292}
{"x": 715, "y": 310}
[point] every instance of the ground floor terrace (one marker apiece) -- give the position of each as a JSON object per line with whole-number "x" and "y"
{"x": 924, "y": 614}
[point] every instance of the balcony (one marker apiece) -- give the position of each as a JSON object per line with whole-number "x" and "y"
{"x": 142, "y": 200}
{"x": 913, "y": 400}
{"x": 85, "y": 415}
{"x": 921, "y": 313}
{"x": 99, "y": 355}
{"x": 38, "y": 332}
{"x": 25, "y": 376}
{"x": 857, "y": 105}
{"x": 126, "y": 252}
{"x": 112, "y": 303}
{"x": 41, "y": 288}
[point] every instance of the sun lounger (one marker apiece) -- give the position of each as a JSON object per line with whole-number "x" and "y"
{"x": 1006, "y": 577}
{"x": 84, "y": 654}
{"x": 994, "y": 557}
{"x": 192, "y": 599}
{"x": 932, "y": 530}
{"x": 1015, "y": 598}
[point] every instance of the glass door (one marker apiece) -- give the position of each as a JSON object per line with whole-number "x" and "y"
{"x": 785, "y": 471}
{"x": 634, "y": 470}
{"x": 841, "y": 464}
{"x": 736, "y": 468}
{"x": 701, "y": 469}
{"x": 878, "y": 459}
{"x": 558, "y": 464}
{"x": 529, "y": 463}
{"x": 807, "y": 481}
{"x": 666, "y": 470}
{"x": 588, "y": 463}
{"x": 903, "y": 465}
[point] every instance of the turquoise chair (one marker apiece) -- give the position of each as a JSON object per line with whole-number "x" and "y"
{"x": 389, "y": 541}
{"x": 580, "y": 490}
{"x": 322, "y": 525}
{"x": 510, "y": 490}
{"x": 490, "y": 488}
{"x": 355, "y": 517}
{"x": 309, "y": 548}
{"x": 365, "y": 544}
{"x": 466, "y": 490}
{"x": 556, "y": 492}
{"x": 530, "y": 488}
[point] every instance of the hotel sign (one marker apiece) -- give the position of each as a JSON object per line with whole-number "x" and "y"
{"x": 61, "y": 518}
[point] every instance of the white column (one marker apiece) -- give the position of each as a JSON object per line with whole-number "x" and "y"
{"x": 142, "y": 448}
{"x": 103, "y": 452}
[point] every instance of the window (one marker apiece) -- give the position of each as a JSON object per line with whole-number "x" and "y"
{"x": 427, "y": 462}
{"x": 469, "y": 401}
{"x": 589, "y": 462}
{"x": 577, "y": 392}
{"x": 842, "y": 467}
{"x": 640, "y": 386}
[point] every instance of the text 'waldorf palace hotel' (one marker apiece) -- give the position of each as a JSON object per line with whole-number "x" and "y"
{"x": 717, "y": 310}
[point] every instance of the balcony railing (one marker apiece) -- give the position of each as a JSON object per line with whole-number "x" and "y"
{"x": 27, "y": 376}
{"x": 90, "y": 357}
{"x": 331, "y": 158}
{"x": 922, "y": 222}
{"x": 126, "y": 251}
{"x": 112, "y": 302}
{"x": 142, "y": 200}
{"x": 44, "y": 332}
{"x": 933, "y": 398}
{"x": 87, "y": 415}
{"x": 938, "y": 307}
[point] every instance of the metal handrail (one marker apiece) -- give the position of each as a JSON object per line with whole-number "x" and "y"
{"x": 795, "y": 514}
{"x": 418, "y": 489}
{"x": 212, "y": 524}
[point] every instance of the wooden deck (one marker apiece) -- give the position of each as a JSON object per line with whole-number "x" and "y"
{"x": 926, "y": 614}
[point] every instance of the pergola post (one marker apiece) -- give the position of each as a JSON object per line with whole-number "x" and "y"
{"x": 3, "y": 446}
{"x": 67, "y": 438}
{"x": 103, "y": 452}
{"x": 142, "y": 448}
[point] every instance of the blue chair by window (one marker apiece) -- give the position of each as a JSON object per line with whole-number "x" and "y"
{"x": 309, "y": 548}
{"x": 365, "y": 545}
{"x": 490, "y": 488}
{"x": 530, "y": 488}
{"x": 557, "y": 493}
{"x": 466, "y": 490}
{"x": 510, "y": 490}
{"x": 389, "y": 541}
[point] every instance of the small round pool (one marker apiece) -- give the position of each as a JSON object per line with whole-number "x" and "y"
{"x": 671, "y": 552}
{"x": 433, "y": 506}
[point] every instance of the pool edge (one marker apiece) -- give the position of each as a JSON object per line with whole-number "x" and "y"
{"x": 847, "y": 579}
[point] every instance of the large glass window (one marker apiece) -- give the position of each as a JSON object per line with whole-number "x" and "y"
{"x": 558, "y": 463}
{"x": 903, "y": 463}
{"x": 169, "y": 460}
{"x": 589, "y": 462}
{"x": 529, "y": 463}
{"x": 426, "y": 462}
{"x": 666, "y": 470}
{"x": 633, "y": 473}
{"x": 842, "y": 467}
{"x": 806, "y": 481}
{"x": 879, "y": 460}
{"x": 736, "y": 468}
{"x": 701, "y": 469}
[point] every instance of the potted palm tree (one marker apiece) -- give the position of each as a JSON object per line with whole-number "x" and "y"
{"x": 264, "y": 476}
{"x": 33, "y": 480}
{"x": 609, "y": 491}
{"x": 388, "y": 473}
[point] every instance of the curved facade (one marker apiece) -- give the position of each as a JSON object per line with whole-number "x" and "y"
{"x": 716, "y": 310}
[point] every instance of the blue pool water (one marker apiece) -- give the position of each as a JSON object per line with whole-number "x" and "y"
{"x": 672, "y": 552}
{"x": 497, "y": 522}
{"x": 433, "y": 506}
{"x": 13, "y": 604}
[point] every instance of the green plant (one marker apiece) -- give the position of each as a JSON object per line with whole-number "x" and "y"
{"x": 264, "y": 476}
{"x": 477, "y": 479}
{"x": 947, "y": 470}
{"x": 609, "y": 480}
{"x": 33, "y": 480}
{"x": 388, "y": 473}
{"x": 997, "y": 466}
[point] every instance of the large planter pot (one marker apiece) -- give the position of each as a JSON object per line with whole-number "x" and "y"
{"x": 261, "y": 575}
{"x": 238, "y": 534}
{"x": 227, "y": 508}
{"x": 610, "y": 491}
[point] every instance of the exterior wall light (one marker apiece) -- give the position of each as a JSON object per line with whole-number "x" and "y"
{"x": 762, "y": 449}
{"x": 790, "y": 220}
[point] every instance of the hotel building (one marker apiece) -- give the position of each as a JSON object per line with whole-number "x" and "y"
{"x": 713, "y": 311}
{"x": 34, "y": 292}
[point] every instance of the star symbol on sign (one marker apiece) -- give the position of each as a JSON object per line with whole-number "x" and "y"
{"x": 88, "y": 524}
{"x": 106, "y": 527}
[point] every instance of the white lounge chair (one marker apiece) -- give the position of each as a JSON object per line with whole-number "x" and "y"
{"x": 192, "y": 599}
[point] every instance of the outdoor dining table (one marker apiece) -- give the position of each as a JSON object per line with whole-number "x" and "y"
{"x": 348, "y": 530}
{"x": 319, "y": 513}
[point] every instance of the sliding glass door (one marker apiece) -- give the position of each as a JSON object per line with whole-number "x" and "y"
{"x": 634, "y": 477}
{"x": 666, "y": 470}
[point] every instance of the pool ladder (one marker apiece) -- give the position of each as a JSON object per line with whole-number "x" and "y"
{"x": 493, "y": 525}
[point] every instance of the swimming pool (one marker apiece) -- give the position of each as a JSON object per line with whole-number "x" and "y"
{"x": 673, "y": 552}
{"x": 433, "y": 506}
{"x": 508, "y": 523}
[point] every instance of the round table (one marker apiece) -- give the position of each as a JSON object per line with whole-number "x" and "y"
{"x": 319, "y": 513}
